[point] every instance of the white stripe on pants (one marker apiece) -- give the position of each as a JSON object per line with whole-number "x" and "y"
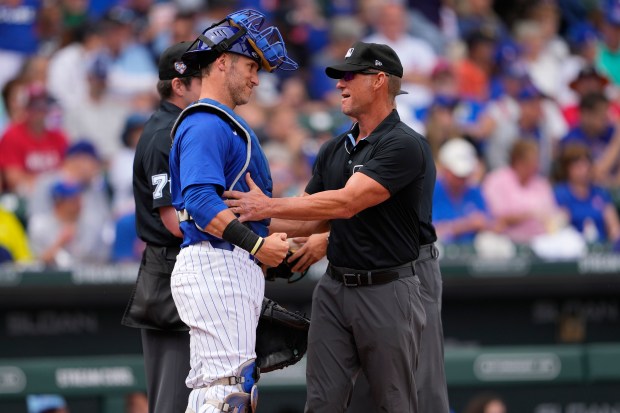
{"x": 218, "y": 294}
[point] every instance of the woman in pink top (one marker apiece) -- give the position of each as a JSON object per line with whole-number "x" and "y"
{"x": 520, "y": 199}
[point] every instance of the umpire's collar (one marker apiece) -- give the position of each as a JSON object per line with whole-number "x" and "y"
{"x": 170, "y": 107}
{"x": 384, "y": 127}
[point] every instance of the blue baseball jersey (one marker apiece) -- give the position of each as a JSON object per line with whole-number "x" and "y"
{"x": 591, "y": 207}
{"x": 210, "y": 149}
{"x": 17, "y": 26}
{"x": 597, "y": 144}
{"x": 447, "y": 208}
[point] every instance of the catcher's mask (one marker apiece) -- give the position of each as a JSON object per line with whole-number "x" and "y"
{"x": 241, "y": 33}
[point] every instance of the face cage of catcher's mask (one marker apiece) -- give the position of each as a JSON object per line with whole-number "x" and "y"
{"x": 268, "y": 43}
{"x": 272, "y": 50}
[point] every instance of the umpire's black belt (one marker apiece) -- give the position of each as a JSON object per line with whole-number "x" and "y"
{"x": 355, "y": 278}
{"x": 168, "y": 252}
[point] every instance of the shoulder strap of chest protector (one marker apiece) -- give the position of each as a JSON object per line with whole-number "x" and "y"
{"x": 210, "y": 108}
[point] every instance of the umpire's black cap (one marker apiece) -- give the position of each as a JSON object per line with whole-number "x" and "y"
{"x": 363, "y": 56}
{"x": 171, "y": 65}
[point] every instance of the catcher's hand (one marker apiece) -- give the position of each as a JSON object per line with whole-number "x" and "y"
{"x": 281, "y": 337}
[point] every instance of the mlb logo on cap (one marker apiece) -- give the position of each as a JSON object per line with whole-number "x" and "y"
{"x": 349, "y": 53}
{"x": 180, "y": 67}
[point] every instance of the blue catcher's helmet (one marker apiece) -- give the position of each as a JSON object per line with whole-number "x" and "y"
{"x": 241, "y": 33}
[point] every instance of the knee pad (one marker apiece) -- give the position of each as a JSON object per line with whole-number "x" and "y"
{"x": 249, "y": 376}
{"x": 238, "y": 402}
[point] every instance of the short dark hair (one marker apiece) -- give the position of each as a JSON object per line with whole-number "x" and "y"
{"x": 591, "y": 101}
{"x": 164, "y": 87}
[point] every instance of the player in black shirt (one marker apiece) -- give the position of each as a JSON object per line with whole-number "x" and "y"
{"x": 165, "y": 338}
{"x": 367, "y": 311}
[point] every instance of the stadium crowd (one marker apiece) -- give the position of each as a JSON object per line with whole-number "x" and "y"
{"x": 519, "y": 100}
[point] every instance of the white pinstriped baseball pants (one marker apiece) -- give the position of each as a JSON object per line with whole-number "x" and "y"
{"x": 218, "y": 294}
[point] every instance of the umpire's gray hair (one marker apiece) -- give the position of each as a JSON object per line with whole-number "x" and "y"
{"x": 394, "y": 83}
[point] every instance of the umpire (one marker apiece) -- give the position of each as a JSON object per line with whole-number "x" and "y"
{"x": 430, "y": 375}
{"x": 367, "y": 311}
{"x": 165, "y": 338}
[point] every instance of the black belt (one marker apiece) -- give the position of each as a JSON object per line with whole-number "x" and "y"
{"x": 168, "y": 252}
{"x": 355, "y": 278}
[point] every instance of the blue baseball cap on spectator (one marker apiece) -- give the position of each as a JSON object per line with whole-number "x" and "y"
{"x": 63, "y": 190}
{"x": 445, "y": 101}
{"x": 507, "y": 52}
{"x": 82, "y": 147}
{"x": 611, "y": 10}
{"x": 582, "y": 33}
{"x": 38, "y": 403}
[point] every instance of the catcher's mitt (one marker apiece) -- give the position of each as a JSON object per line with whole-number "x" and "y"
{"x": 281, "y": 337}
{"x": 284, "y": 270}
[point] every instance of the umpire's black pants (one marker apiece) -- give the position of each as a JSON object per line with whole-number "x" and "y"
{"x": 165, "y": 339}
{"x": 375, "y": 329}
{"x": 430, "y": 376}
{"x": 166, "y": 363}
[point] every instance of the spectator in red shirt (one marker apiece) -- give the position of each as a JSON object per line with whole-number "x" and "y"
{"x": 589, "y": 80}
{"x": 30, "y": 147}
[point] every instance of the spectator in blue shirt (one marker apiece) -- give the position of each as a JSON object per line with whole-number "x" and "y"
{"x": 596, "y": 132}
{"x": 18, "y": 35}
{"x": 590, "y": 207}
{"x": 459, "y": 211}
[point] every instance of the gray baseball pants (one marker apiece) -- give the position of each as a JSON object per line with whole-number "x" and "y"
{"x": 430, "y": 375}
{"x": 375, "y": 329}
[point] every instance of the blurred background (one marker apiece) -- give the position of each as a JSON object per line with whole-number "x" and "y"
{"x": 520, "y": 101}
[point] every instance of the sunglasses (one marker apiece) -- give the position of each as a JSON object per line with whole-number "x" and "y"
{"x": 348, "y": 76}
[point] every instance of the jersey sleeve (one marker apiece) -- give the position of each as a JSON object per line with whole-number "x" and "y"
{"x": 397, "y": 162}
{"x": 203, "y": 152}
{"x": 157, "y": 169}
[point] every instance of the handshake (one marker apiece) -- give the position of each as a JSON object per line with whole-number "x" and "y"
{"x": 282, "y": 267}
{"x": 274, "y": 250}
{"x": 300, "y": 254}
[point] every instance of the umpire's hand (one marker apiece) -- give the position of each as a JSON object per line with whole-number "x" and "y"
{"x": 312, "y": 249}
{"x": 274, "y": 250}
{"x": 249, "y": 206}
